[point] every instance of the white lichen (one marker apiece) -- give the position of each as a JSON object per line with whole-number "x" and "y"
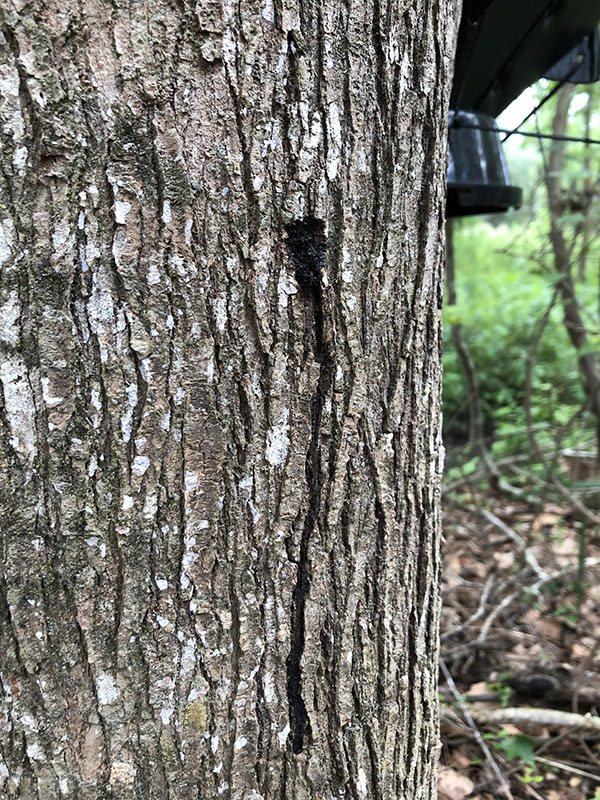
{"x": 268, "y": 11}
{"x": 50, "y": 399}
{"x": 35, "y": 752}
{"x": 153, "y": 275}
{"x": 140, "y": 465}
{"x": 146, "y": 370}
{"x": 283, "y": 736}
{"x": 361, "y": 783}
{"x": 278, "y": 441}
{"x": 188, "y": 656}
{"x": 20, "y": 159}
{"x": 246, "y": 483}
{"x": 220, "y": 312}
{"x": 19, "y": 406}
{"x": 334, "y": 130}
{"x": 10, "y": 314}
{"x": 106, "y": 689}
{"x": 191, "y": 480}
{"x": 269, "y": 688}
{"x": 122, "y": 208}
{"x": 285, "y": 287}
{"x": 7, "y": 238}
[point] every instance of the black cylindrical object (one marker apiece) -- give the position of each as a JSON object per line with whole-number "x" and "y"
{"x": 478, "y": 181}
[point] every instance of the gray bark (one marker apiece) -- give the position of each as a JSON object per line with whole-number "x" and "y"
{"x": 221, "y": 230}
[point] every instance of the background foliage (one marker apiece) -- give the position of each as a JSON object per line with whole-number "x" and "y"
{"x": 506, "y": 278}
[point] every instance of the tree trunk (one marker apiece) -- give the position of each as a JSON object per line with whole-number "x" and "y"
{"x": 572, "y": 316}
{"x": 588, "y": 189}
{"x": 219, "y": 427}
{"x": 466, "y": 364}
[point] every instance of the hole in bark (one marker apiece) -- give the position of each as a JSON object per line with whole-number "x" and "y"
{"x": 306, "y": 246}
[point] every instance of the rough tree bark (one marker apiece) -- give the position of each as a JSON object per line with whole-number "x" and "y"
{"x": 220, "y": 320}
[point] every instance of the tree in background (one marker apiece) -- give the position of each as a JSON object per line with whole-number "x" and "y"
{"x": 561, "y": 202}
{"x": 221, "y": 297}
{"x": 528, "y": 300}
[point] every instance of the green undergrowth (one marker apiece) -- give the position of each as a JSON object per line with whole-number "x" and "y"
{"x": 505, "y": 283}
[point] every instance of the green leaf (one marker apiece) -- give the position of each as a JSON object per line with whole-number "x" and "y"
{"x": 571, "y": 219}
{"x": 517, "y": 746}
{"x": 453, "y": 315}
{"x": 591, "y": 346}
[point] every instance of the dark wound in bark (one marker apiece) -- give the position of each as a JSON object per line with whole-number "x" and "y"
{"x": 306, "y": 249}
{"x": 306, "y": 245}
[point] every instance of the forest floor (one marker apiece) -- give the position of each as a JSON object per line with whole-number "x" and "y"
{"x": 520, "y": 649}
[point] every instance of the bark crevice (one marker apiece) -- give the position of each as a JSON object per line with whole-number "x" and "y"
{"x": 306, "y": 247}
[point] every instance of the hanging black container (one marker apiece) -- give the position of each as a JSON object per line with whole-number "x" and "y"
{"x": 478, "y": 181}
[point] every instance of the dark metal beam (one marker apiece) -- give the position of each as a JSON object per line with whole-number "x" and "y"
{"x": 506, "y": 45}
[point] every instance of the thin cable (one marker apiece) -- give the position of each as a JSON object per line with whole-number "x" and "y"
{"x": 545, "y": 99}
{"x": 542, "y": 151}
{"x": 553, "y": 137}
{"x": 547, "y": 10}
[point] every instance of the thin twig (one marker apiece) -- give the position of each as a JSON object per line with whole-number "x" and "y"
{"x": 529, "y": 364}
{"x": 496, "y": 641}
{"x": 588, "y": 752}
{"x": 514, "y": 536}
{"x": 589, "y": 563}
{"x": 471, "y": 723}
{"x": 488, "y": 623}
{"x": 477, "y": 614}
{"x": 566, "y": 493}
{"x": 529, "y": 788}
{"x": 581, "y": 673}
{"x": 567, "y": 768}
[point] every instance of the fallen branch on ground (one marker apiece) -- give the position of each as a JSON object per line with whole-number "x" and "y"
{"x": 539, "y": 716}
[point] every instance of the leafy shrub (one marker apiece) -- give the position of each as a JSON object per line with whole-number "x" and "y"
{"x": 503, "y": 292}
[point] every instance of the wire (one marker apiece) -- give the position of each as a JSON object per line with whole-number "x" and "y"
{"x": 553, "y": 137}
{"x": 545, "y": 99}
{"x": 546, "y": 11}
{"x": 542, "y": 151}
